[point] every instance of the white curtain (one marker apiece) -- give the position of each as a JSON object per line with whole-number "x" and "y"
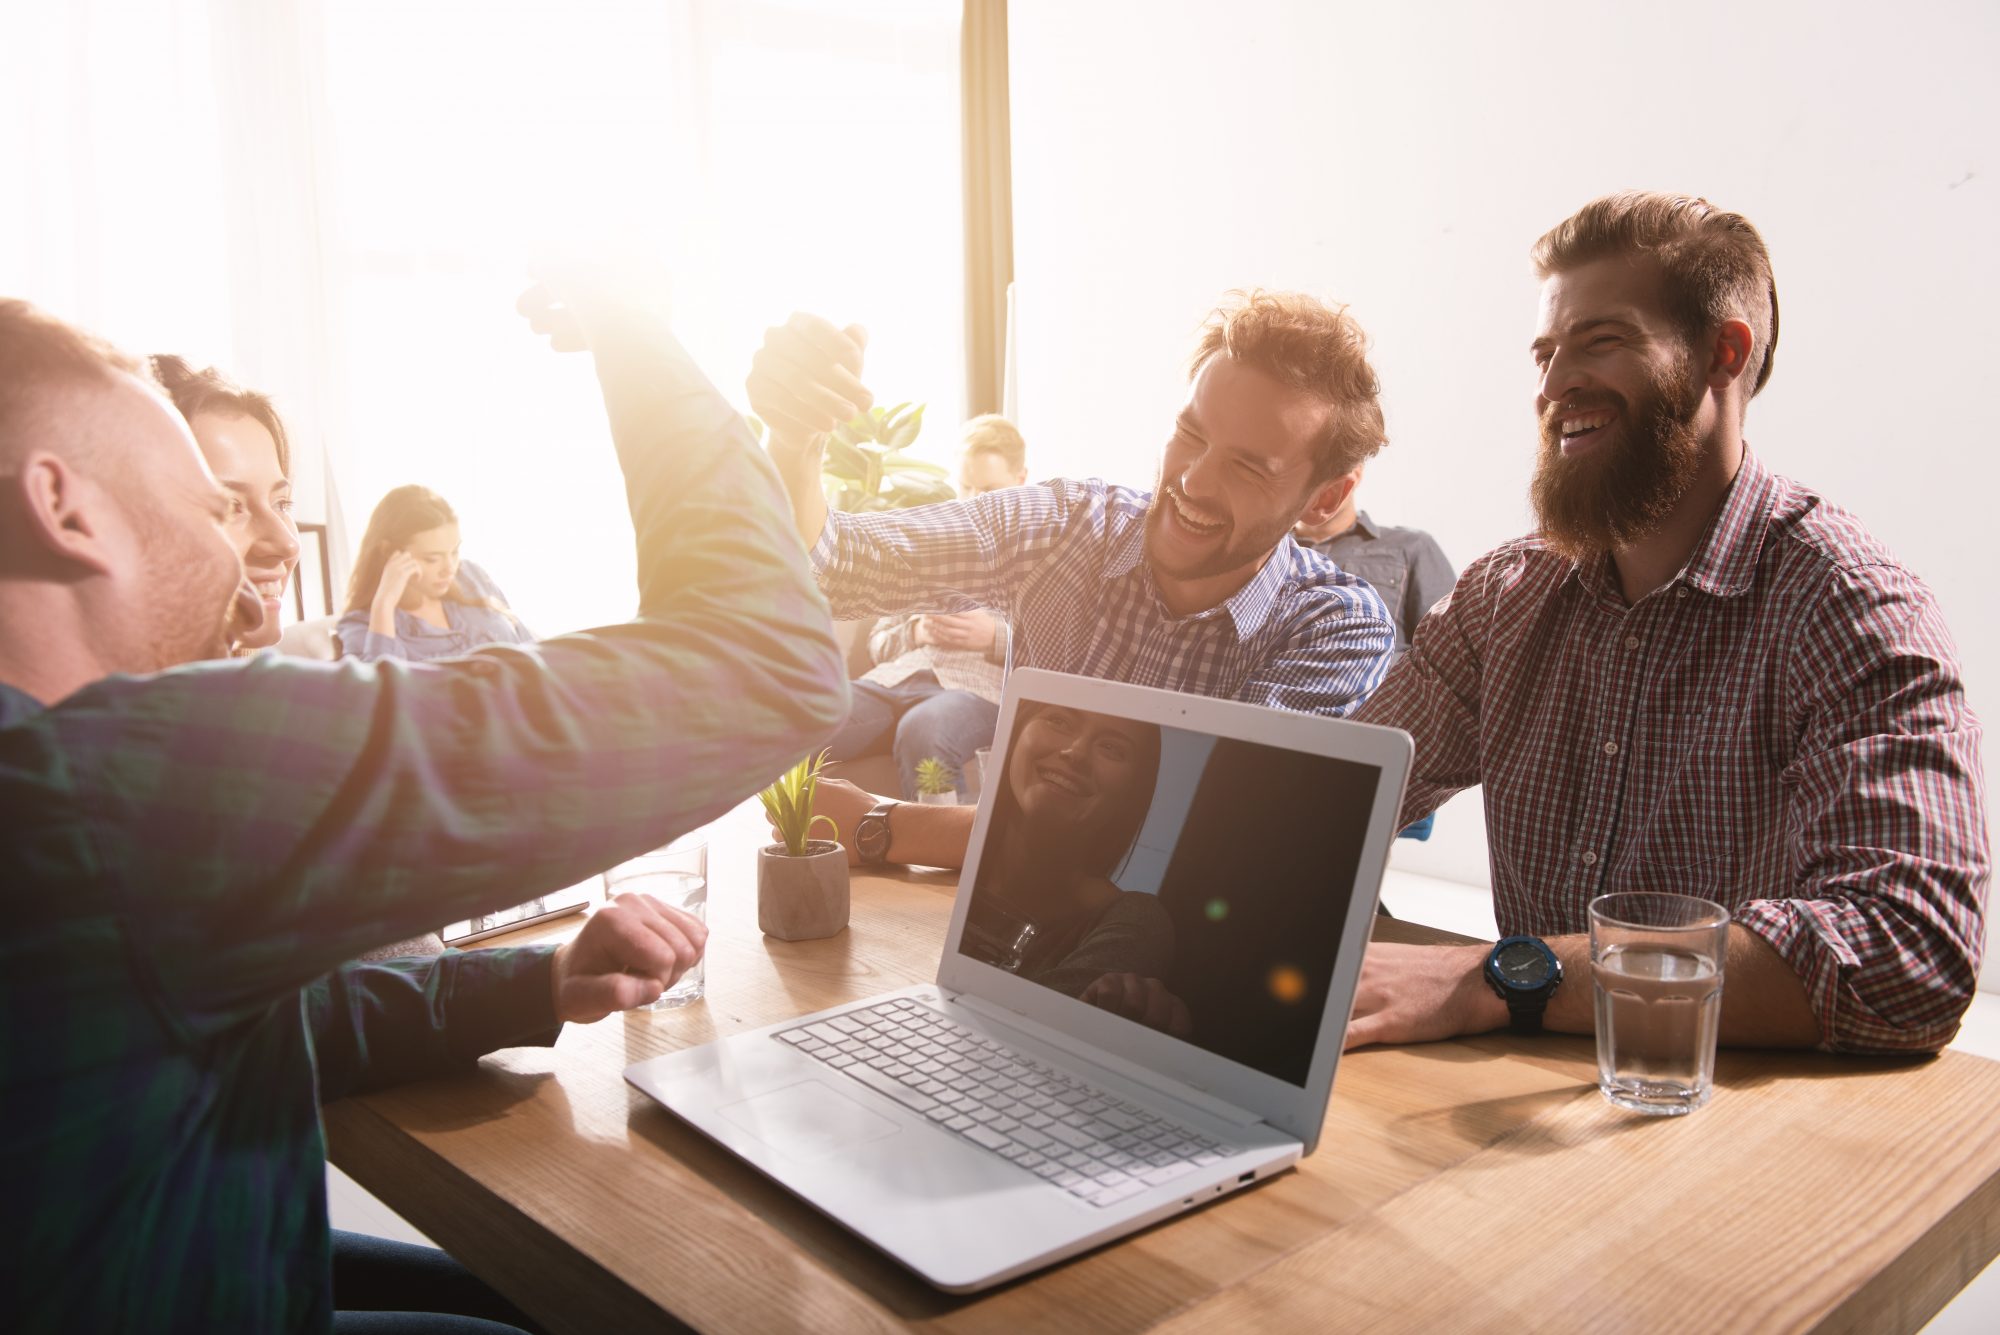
{"x": 780, "y": 156}
{"x": 162, "y": 163}
{"x": 339, "y": 202}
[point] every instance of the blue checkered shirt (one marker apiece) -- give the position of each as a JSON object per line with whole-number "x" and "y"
{"x": 1064, "y": 563}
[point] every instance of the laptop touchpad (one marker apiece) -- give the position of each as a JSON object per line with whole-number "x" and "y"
{"x": 808, "y": 1120}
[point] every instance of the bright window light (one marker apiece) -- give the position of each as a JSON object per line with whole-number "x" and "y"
{"x": 784, "y": 155}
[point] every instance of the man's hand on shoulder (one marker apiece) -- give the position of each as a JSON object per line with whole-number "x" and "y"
{"x": 629, "y": 951}
{"x": 1419, "y": 994}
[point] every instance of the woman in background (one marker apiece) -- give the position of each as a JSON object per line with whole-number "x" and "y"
{"x": 411, "y": 596}
{"x": 244, "y": 441}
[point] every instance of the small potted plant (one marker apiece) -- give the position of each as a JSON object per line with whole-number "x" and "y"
{"x": 934, "y": 785}
{"x": 801, "y": 881}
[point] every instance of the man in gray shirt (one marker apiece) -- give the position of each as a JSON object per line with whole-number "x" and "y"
{"x": 1405, "y": 565}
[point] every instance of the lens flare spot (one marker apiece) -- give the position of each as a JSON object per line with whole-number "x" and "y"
{"x": 1287, "y": 984}
{"x": 1216, "y": 909}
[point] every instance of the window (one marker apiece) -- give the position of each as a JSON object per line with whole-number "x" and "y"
{"x": 787, "y": 154}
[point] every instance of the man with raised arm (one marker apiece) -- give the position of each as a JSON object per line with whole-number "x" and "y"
{"x": 1698, "y": 676}
{"x": 1193, "y": 586}
{"x": 187, "y": 848}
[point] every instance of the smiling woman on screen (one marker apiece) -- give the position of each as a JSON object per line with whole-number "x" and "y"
{"x": 1078, "y": 787}
{"x": 411, "y": 596}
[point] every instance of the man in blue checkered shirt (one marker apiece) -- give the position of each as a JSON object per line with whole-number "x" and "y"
{"x": 1193, "y": 586}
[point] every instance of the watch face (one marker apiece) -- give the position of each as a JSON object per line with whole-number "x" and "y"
{"x": 1522, "y": 964}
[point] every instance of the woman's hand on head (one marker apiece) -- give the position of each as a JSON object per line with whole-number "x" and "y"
{"x": 397, "y": 572}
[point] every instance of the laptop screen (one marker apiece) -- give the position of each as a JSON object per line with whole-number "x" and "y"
{"x": 1191, "y": 883}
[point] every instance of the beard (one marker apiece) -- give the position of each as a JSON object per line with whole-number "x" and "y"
{"x": 1236, "y": 548}
{"x": 1622, "y": 491}
{"x": 193, "y": 611}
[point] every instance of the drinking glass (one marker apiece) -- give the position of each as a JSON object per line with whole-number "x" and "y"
{"x": 1656, "y": 982}
{"x": 975, "y": 774}
{"x": 676, "y": 875}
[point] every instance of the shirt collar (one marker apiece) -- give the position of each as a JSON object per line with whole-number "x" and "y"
{"x": 1724, "y": 563}
{"x": 1364, "y": 526}
{"x": 1249, "y": 607}
{"x": 17, "y": 706}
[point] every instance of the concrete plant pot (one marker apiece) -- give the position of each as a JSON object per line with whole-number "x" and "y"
{"x": 803, "y": 898}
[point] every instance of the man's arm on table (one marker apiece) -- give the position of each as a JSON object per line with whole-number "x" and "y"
{"x": 1785, "y": 982}
{"x": 377, "y": 1024}
{"x": 312, "y": 811}
{"x": 920, "y": 835}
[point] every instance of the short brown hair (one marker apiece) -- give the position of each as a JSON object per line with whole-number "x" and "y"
{"x": 39, "y": 352}
{"x": 990, "y": 433}
{"x": 1713, "y": 265}
{"x": 1310, "y": 346}
{"x": 210, "y": 391}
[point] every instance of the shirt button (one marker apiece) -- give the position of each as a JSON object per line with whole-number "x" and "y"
{"x": 1631, "y": 641}
{"x": 1611, "y": 748}
{"x": 1588, "y": 859}
{"x": 1681, "y": 592}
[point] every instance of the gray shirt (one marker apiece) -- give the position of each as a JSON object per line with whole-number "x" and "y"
{"x": 1405, "y": 565}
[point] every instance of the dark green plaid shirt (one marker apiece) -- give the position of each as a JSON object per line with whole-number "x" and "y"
{"x": 187, "y": 859}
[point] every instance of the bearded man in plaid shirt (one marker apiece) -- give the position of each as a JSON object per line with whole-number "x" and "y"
{"x": 1698, "y": 676}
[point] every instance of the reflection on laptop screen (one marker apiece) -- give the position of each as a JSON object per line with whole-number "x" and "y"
{"x": 1192, "y": 883}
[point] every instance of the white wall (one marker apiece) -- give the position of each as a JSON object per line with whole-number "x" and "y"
{"x": 1404, "y": 157}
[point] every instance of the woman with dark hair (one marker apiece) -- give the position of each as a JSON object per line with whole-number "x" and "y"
{"x": 411, "y": 596}
{"x": 244, "y": 442}
{"x": 1078, "y": 787}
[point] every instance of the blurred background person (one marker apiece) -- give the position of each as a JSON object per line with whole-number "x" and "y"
{"x": 243, "y": 439}
{"x": 1406, "y": 565}
{"x": 412, "y": 596}
{"x": 935, "y": 689}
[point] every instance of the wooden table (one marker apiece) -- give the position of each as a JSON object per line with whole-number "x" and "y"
{"x": 1478, "y": 1184}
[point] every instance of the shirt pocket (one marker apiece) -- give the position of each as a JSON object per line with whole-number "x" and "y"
{"x": 1688, "y": 797}
{"x": 1387, "y": 576}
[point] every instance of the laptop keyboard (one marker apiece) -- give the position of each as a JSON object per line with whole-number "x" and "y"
{"x": 1099, "y": 1148}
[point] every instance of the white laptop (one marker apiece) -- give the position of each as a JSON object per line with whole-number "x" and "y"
{"x": 1141, "y": 999}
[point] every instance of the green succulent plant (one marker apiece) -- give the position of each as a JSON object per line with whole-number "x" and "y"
{"x": 789, "y": 804}
{"x": 932, "y": 776}
{"x": 867, "y": 467}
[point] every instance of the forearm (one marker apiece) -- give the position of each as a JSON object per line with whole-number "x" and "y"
{"x": 801, "y": 468}
{"x": 382, "y": 619}
{"x": 930, "y": 836}
{"x": 375, "y": 1025}
{"x": 1763, "y": 1001}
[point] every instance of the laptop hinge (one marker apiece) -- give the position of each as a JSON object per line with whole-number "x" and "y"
{"x": 1095, "y": 1056}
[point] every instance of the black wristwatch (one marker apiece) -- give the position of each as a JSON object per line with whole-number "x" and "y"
{"x": 871, "y": 834}
{"x": 1524, "y": 973}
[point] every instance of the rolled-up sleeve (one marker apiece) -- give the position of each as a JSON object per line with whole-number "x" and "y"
{"x": 378, "y": 1024}
{"x": 1887, "y": 822}
{"x": 959, "y": 556}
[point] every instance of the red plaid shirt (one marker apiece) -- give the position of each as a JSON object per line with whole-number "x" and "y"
{"x": 1780, "y": 728}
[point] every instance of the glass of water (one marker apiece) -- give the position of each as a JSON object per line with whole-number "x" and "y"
{"x": 676, "y": 875}
{"x": 975, "y": 775}
{"x": 1656, "y": 980}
